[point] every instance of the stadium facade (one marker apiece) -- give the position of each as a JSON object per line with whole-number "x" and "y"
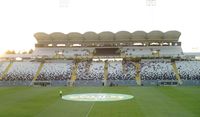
{"x": 104, "y": 59}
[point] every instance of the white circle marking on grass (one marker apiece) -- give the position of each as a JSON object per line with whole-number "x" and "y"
{"x": 97, "y": 97}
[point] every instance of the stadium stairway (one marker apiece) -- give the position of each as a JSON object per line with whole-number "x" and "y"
{"x": 177, "y": 73}
{"x": 88, "y": 66}
{"x": 6, "y": 70}
{"x": 38, "y": 72}
{"x": 105, "y": 72}
{"x": 74, "y": 72}
{"x": 91, "y": 55}
{"x": 123, "y": 68}
{"x": 138, "y": 80}
{"x": 55, "y": 56}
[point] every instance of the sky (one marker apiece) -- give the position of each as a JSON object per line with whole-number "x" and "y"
{"x": 20, "y": 19}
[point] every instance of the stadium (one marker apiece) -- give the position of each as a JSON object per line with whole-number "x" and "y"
{"x": 149, "y": 66}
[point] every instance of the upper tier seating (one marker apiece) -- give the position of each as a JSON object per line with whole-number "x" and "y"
{"x": 171, "y": 51}
{"x": 148, "y": 51}
{"x": 79, "y": 52}
{"x": 50, "y": 52}
{"x": 137, "y": 51}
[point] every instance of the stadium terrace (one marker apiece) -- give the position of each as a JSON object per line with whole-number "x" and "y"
{"x": 104, "y": 59}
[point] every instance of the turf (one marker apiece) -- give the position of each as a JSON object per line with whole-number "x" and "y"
{"x": 148, "y": 102}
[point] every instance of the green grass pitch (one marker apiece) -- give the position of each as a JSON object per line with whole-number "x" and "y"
{"x": 147, "y": 102}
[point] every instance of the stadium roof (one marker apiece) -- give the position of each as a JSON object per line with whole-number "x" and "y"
{"x": 155, "y": 35}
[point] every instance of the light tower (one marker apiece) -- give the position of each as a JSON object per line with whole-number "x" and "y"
{"x": 151, "y": 6}
{"x": 63, "y": 3}
{"x": 151, "y": 2}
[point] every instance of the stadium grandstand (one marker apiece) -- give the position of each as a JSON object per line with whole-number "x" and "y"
{"x": 104, "y": 59}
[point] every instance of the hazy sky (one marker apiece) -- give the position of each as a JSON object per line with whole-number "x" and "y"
{"x": 20, "y": 19}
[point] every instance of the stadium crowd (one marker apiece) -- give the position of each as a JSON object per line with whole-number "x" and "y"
{"x": 3, "y": 66}
{"x": 118, "y": 70}
{"x": 55, "y": 71}
{"x": 156, "y": 70}
{"x": 189, "y": 70}
{"x": 62, "y": 51}
{"x": 90, "y": 70}
{"x": 94, "y": 70}
{"x": 22, "y": 71}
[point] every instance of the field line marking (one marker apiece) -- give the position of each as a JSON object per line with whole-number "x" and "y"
{"x": 91, "y": 107}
